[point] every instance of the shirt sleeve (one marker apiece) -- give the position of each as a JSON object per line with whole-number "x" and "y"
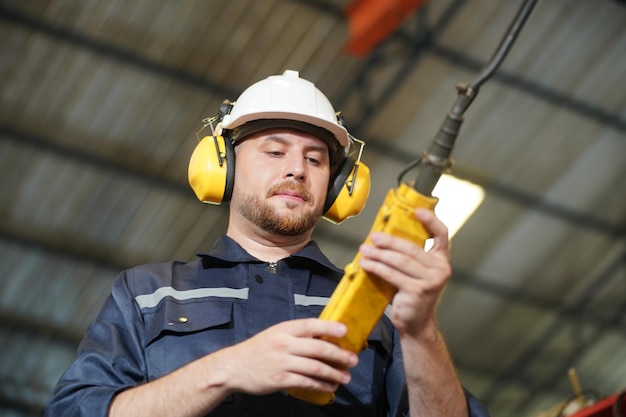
{"x": 475, "y": 407}
{"x": 109, "y": 359}
{"x": 397, "y": 394}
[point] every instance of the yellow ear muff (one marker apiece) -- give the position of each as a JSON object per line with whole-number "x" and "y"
{"x": 209, "y": 170}
{"x": 352, "y": 195}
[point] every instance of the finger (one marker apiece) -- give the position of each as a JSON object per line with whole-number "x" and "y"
{"x": 383, "y": 271}
{"x": 307, "y": 383}
{"x": 405, "y": 271}
{"x": 319, "y": 371}
{"x": 390, "y": 266}
{"x": 431, "y": 222}
{"x": 399, "y": 254}
{"x": 312, "y": 340}
{"x": 325, "y": 351}
{"x": 388, "y": 244}
{"x": 297, "y": 380}
{"x": 436, "y": 228}
{"x": 315, "y": 328}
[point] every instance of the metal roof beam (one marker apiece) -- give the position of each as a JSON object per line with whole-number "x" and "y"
{"x": 426, "y": 42}
{"x": 573, "y": 310}
{"x": 23, "y": 408}
{"x": 522, "y": 198}
{"x": 535, "y": 89}
{"x": 60, "y": 334}
{"x": 73, "y": 37}
{"x": 48, "y": 144}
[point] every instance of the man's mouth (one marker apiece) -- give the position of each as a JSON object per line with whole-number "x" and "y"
{"x": 291, "y": 190}
{"x": 289, "y": 194}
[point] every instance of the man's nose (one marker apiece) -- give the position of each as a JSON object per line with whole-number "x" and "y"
{"x": 295, "y": 167}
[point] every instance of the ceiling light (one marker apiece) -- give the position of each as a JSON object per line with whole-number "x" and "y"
{"x": 458, "y": 200}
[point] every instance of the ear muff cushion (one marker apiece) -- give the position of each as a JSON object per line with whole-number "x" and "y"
{"x": 338, "y": 181}
{"x": 340, "y": 203}
{"x": 211, "y": 170}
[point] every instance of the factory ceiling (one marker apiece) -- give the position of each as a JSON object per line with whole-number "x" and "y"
{"x": 100, "y": 102}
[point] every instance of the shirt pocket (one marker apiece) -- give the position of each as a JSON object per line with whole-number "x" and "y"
{"x": 179, "y": 332}
{"x": 305, "y": 312}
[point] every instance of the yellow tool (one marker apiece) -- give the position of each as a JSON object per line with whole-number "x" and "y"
{"x": 360, "y": 299}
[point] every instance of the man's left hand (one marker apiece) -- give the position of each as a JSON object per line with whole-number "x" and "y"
{"x": 418, "y": 275}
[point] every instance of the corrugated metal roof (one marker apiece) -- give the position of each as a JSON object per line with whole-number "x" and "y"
{"x": 100, "y": 101}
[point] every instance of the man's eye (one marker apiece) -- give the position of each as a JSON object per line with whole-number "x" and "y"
{"x": 313, "y": 161}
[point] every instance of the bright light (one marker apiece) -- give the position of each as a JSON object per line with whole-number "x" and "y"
{"x": 458, "y": 200}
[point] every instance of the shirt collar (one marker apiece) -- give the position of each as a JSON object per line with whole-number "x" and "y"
{"x": 227, "y": 251}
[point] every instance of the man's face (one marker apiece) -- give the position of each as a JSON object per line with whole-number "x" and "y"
{"x": 281, "y": 180}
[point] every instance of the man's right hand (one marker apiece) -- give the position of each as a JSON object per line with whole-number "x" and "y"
{"x": 287, "y": 355}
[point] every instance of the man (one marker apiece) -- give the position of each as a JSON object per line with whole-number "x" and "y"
{"x": 229, "y": 333}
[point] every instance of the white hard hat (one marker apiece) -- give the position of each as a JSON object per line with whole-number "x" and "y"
{"x": 286, "y": 101}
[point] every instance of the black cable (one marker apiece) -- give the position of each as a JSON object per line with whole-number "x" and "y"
{"x": 505, "y": 45}
{"x": 436, "y": 160}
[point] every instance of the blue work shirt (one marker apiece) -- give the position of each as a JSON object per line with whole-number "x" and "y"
{"x": 160, "y": 317}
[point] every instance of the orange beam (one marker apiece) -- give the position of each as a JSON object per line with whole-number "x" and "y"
{"x": 371, "y": 21}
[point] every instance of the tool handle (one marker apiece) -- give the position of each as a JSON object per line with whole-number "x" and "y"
{"x": 360, "y": 298}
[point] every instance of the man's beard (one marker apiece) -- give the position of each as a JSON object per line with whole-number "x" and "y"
{"x": 262, "y": 214}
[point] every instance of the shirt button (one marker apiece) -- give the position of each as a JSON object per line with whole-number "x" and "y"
{"x": 258, "y": 279}
{"x": 182, "y": 320}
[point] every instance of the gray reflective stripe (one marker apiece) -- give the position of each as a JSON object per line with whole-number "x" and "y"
{"x": 305, "y": 300}
{"x": 152, "y": 300}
